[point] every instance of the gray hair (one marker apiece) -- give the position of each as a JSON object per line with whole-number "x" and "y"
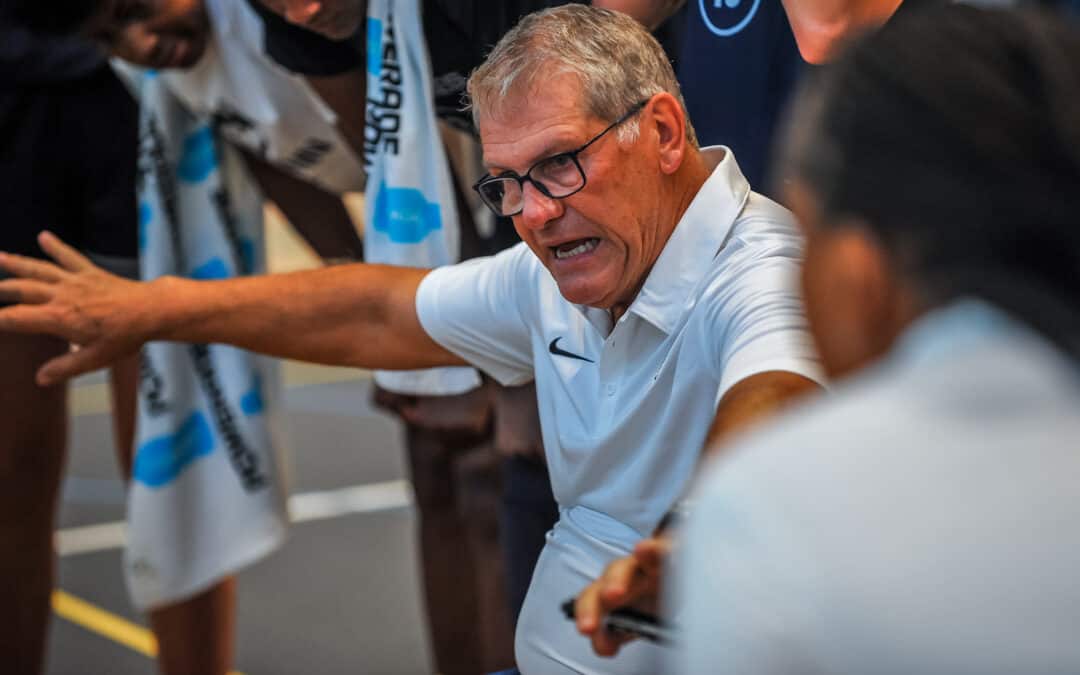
{"x": 617, "y": 61}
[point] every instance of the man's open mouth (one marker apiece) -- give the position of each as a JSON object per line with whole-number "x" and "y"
{"x": 575, "y": 248}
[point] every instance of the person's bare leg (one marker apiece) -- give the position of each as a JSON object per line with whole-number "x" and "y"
{"x": 33, "y": 435}
{"x": 479, "y": 480}
{"x": 124, "y": 388}
{"x": 196, "y": 635}
{"x": 450, "y": 592}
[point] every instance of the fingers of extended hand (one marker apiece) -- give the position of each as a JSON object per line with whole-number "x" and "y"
{"x": 75, "y": 362}
{"x": 29, "y": 268}
{"x": 30, "y": 319}
{"x": 24, "y": 291}
{"x": 68, "y": 257}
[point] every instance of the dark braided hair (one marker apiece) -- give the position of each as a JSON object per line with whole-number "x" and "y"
{"x": 954, "y": 134}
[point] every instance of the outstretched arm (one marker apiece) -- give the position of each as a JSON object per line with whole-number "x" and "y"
{"x": 355, "y": 315}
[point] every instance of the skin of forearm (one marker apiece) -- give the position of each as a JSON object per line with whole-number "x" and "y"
{"x": 351, "y": 315}
{"x": 753, "y": 400}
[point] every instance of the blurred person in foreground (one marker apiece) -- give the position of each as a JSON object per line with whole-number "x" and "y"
{"x": 654, "y": 294}
{"x": 922, "y": 518}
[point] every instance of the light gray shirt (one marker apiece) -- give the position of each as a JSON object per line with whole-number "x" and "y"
{"x": 925, "y": 518}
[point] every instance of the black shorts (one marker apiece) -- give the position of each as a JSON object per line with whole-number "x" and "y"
{"x": 67, "y": 164}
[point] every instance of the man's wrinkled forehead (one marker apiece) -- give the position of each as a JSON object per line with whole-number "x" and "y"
{"x": 543, "y": 118}
{"x": 548, "y": 88}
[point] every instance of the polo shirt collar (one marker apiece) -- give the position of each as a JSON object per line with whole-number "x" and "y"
{"x": 700, "y": 233}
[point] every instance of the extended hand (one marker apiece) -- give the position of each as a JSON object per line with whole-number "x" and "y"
{"x": 97, "y": 312}
{"x": 630, "y": 581}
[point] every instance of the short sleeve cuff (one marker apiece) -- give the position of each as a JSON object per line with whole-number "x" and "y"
{"x": 429, "y": 307}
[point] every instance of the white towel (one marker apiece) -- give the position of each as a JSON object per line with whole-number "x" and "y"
{"x": 410, "y": 210}
{"x": 207, "y": 495}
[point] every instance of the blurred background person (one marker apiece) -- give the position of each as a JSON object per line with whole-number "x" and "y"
{"x": 738, "y": 61}
{"x": 68, "y": 135}
{"x": 920, "y": 519}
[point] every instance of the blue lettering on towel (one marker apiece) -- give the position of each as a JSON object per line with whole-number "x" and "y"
{"x": 199, "y": 156}
{"x": 404, "y": 215}
{"x": 214, "y": 268}
{"x": 161, "y": 460}
{"x": 251, "y": 403}
{"x": 374, "y": 46}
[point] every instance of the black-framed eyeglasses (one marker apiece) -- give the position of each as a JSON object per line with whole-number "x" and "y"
{"x": 556, "y": 177}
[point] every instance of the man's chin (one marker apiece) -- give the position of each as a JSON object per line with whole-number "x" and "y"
{"x": 582, "y": 293}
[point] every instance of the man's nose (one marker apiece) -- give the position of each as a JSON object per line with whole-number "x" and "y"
{"x": 537, "y": 208}
{"x": 301, "y": 11}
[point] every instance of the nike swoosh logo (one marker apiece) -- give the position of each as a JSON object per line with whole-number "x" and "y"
{"x": 554, "y": 349}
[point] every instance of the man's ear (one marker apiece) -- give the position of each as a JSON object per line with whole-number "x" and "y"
{"x": 866, "y": 272}
{"x": 668, "y": 120}
{"x": 868, "y": 302}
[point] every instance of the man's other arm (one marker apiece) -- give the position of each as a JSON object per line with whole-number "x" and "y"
{"x": 752, "y": 400}
{"x": 354, "y": 315}
{"x": 636, "y": 579}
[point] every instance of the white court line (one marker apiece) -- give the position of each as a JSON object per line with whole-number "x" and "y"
{"x": 305, "y": 507}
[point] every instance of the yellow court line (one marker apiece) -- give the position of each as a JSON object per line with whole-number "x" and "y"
{"x": 106, "y": 624}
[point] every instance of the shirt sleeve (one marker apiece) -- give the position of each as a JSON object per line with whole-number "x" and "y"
{"x": 758, "y": 314}
{"x": 479, "y": 310}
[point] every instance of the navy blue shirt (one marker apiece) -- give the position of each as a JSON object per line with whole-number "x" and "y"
{"x": 29, "y": 58}
{"x": 738, "y": 66}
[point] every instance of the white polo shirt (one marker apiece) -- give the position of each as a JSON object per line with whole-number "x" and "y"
{"x": 624, "y": 429}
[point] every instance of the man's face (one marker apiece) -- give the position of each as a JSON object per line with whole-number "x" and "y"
{"x": 154, "y": 33}
{"x": 336, "y": 19}
{"x": 600, "y": 243}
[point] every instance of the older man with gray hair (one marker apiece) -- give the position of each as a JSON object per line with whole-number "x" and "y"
{"x": 653, "y": 300}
